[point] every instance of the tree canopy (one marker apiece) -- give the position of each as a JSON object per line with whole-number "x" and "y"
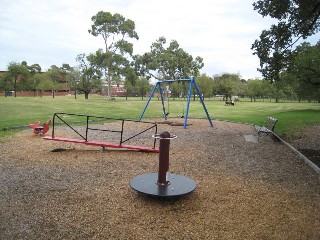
{"x": 306, "y": 63}
{"x": 170, "y": 62}
{"x": 87, "y": 77}
{"x": 297, "y": 19}
{"x": 17, "y": 73}
{"x": 227, "y": 84}
{"x": 115, "y": 31}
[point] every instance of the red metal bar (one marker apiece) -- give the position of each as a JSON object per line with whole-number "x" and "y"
{"x": 103, "y": 144}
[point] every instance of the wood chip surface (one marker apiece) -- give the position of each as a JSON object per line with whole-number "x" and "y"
{"x": 245, "y": 190}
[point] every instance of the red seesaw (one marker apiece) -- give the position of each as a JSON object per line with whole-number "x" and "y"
{"x": 103, "y": 144}
{"x": 84, "y": 137}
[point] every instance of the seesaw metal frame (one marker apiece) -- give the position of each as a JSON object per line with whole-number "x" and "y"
{"x": 90, "y": 119}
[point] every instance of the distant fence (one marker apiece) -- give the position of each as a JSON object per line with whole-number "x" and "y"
{"x": 32, "y": 94}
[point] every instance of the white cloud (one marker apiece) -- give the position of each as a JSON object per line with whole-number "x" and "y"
{"x": 55, "y": 32}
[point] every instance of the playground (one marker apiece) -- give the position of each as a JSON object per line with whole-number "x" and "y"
{"x": 245, "y": 189}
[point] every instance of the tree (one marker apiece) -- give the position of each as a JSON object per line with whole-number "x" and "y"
{"x": 129, "y": 88}
{"x": 177, "y": 89}
{"x": 73, "y": 77}
{"x": 205, "y": 84}
{"x": 254, "y": 88}
{"x": 279, "y": 92}
{"x": 287, "y": 87}
{"x": 296, "y": 19}
{"x": 115, "y": 30}
{"x": 226, "y": 85}
{"x": 35, "y": 81}
{"x": 89, "y": 76}
{"x": 45, "y": 83}
{"x": 17, "y": 73}
{"x": 65, "y": 68}
{"x": 301, "y": 78}
{"x": 54, "y": 74}
{"x": 143, "y": 86}
{"x": 165, "y": 63}
{"x": 306, "y": 63}
{"x": 34, "y": 68}
{"x": 130, "y": 80}
{"x": 240, "y": 88}
{"x": 6, "y": 84}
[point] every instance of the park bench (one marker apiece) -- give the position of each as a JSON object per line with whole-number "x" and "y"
{"x": 229, "y": 103}
{"x": 268, "y": 128}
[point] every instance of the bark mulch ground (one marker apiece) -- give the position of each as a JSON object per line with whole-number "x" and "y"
{"x": 245, "y": 190}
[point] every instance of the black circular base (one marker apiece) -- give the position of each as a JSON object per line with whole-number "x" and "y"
{"x": 178, "y": 185}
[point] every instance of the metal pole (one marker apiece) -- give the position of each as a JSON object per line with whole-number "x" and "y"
{"x": 164, "y": 158}
{"x": 202, "y": 102}
{"x": 145, "y": 108}
{"x": 188, "y": 105}
{"x": 121, "y": 135}
{"x": 87, "y": 128}
{"x": 53, "y": 119}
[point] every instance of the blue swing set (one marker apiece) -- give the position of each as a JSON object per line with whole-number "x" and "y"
{"x": 191, "y": 85}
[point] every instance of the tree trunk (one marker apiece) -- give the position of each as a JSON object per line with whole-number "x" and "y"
{"x": 15, "y": 88}
{"x": 86, "y": 95}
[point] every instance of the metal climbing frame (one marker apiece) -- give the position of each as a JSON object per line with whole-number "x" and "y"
{"x": 93, "y": 119}
{"x": 192, "y": 84}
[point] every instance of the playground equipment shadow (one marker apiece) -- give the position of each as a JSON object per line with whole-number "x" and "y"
{"x": 245, "y": 189}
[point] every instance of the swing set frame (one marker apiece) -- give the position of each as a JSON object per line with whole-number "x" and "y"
{"x": 192, "y": 83}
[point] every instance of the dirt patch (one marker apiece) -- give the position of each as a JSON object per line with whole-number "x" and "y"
{"x": 245, "y": 190}
{"x": 309, "y": 144}
{"x": 312, "y": 154}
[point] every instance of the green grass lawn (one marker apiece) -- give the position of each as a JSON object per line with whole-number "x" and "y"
{"x": 21, "y": 111}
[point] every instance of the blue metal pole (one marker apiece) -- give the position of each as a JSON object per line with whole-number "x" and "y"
{"x": 201, "y": 99}
{"x": 145, "y": 108}
{"x": 188, "y": 104}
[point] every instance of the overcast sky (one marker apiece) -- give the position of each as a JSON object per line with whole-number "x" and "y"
{"x": 54, "y": 32}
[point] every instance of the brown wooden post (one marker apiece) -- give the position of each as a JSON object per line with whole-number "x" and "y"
{"x": 164, "y": 158}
